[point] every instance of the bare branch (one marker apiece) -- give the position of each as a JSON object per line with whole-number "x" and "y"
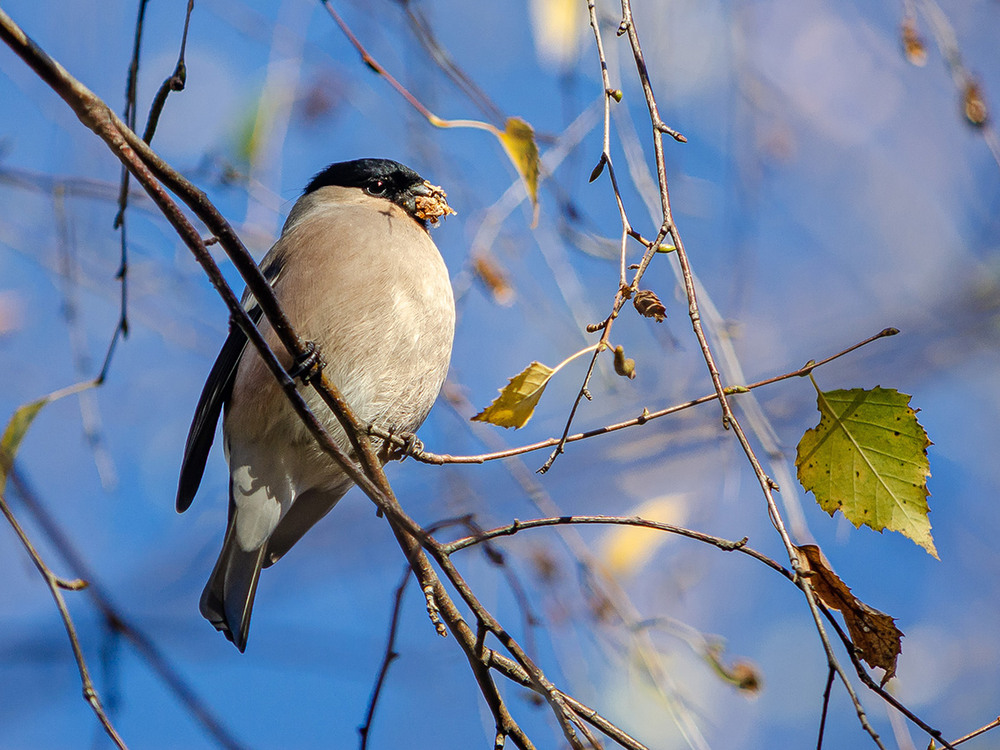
{"x": 150, "y": 170}
{"x": 117, "y": 620}
{"x": 724, "y": 544}
{"x": 646, "y": 416}
{"x": 55, "y": 585}
{"x": 388, "y": 658}
{"x": 831, "y": 674}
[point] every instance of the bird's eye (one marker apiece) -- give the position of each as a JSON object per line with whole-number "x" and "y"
{"x": 377, "y": 188}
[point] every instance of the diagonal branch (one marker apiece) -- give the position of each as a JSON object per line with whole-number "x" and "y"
{"x": 116, "y": 619}
{"x": 154, "y": 174}
{"x": 56, "y": 585}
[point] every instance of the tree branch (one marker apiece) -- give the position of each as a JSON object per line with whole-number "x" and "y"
{"x": 56, "y": 585}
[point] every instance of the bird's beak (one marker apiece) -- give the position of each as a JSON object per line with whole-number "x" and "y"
{"x": 430, "y": 202}
{"x": 424, "y": 189}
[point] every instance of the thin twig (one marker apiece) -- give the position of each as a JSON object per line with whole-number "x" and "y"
{"x": 646, "y": 416}
{"x": 726, "y": 545}
{"x": 982, "y": 730}
{"x": 131, "y": 89}
{"x": 831, "y": 674}
{"x": 388, "y": 658}
{"x": 56, "y": 585}
{"x": 174, "y": 82}
{"x": 116, "y": 620}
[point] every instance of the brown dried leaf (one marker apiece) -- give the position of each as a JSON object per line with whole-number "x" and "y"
{"x": 874, "y": 633}
{"x": 649, "y": 305}
{"x": 913, "y": 45}
{"x": 974, "y": 105}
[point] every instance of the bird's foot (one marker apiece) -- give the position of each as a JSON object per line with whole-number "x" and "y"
{"x": 309, "y": 366}
{"x": 399, "y": 445}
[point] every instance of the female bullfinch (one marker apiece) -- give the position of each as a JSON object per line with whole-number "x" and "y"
{"x": 356, "y": 272}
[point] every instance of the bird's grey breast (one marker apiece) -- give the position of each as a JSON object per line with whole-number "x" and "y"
{"x": 382, "y": 312}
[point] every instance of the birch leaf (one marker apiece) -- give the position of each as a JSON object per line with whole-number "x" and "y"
{"x": 867, "y": 458}
{"x": 874, "y": 632}
{"x": 518, "y": 140}
{"x": 20, "y": 421}
{"x": 17, "y": 427}
{"x": 517, "y": 400}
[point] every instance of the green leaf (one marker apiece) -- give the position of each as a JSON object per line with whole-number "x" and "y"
{"x": 867, "y": 458}
{"x": 14, "y": 434}
{"x": 21, "y": 420}
{"x": 517, "y": 400}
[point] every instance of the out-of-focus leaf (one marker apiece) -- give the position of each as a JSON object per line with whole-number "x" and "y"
{"x": 626, "y": 549}
{"x": 517, "y": 400}
{"x": 494, "y": 277}
{"x": 867, "y": 457}
{"x": 742, "y": 674}
{"x": 913, "y": 45}
{"x": 518, "y": 140}
{"x": 250, "y": 128}
{"x": 558, "y": 27}
{"x": 873, "y": 632}
{"x": 974, "y": 105}
{"x": 21, "y": 420}
{"x": 16, "y": 429}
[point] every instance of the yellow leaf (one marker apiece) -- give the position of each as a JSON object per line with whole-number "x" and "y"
{"x": 625, "y": 549}
{"x": 516, "y": 402}
{"x": 558, "y": 26}
{"x": 518, "y": 140}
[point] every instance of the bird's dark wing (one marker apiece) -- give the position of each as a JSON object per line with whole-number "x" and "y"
{"x": 213, "y": 396}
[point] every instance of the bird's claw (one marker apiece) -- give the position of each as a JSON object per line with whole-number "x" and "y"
{"x": 411, "y": 445}
{"x": 309, "y": 366}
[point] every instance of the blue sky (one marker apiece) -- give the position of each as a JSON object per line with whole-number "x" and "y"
{"x": 828, "y": 189}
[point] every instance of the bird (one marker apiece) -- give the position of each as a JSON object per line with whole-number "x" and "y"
{"x": 357, "y": 274}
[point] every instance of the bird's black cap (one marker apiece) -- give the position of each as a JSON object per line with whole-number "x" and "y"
{"x": 382, "y": 178}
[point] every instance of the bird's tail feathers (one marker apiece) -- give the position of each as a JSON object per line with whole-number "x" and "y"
{"x": 227, "y": 600}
